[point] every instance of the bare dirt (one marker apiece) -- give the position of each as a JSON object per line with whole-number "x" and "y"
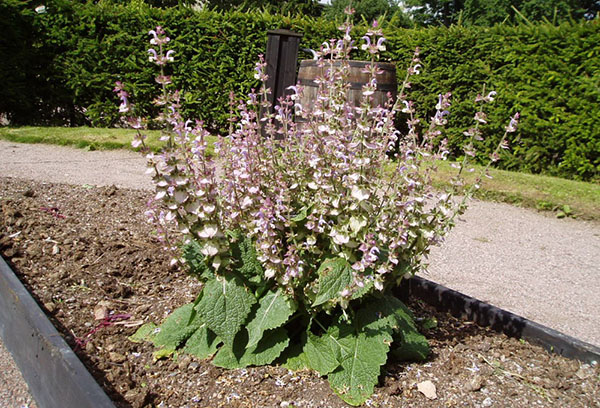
{"x": 80, "y": 247}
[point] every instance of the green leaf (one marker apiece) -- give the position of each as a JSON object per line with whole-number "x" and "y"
{"x": 244, "y": 253}
{"x": 294, "y": 358}
{"x": 196, "y": 261}
{"x": 265, "y": 352}
{"x": 302, "y": 214}
{"x": 144, "y": 333}
{"x": 274, "y": 310}
{"x": 224, "y": 306}
{"x": 165, "y": 352}
{"x": 335, "y": 275}
{"x": 411, "y": 346}
{"x": 203, "y": 343}
{"x": 363, "y": 354}
{"x": 390, "y": 314}
{"x": 352, "y": 353}
{"x": 429, "y": 323}
{"x": 321, "y": 353}
{"x": 177, "y": 328}
{"x": 360, "y": 292}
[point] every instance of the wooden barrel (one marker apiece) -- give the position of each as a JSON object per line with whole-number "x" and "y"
{"x": 386, "y": 81}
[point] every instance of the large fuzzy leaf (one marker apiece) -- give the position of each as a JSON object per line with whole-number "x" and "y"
{"x": 265, "y": 352}
{"x": 363, "y": 354}
{"x": 144, "y": 333}
{"x": 335, "y": 275}
{"x": 352, "y": 353}
{"x": 196, "y": 261}
{"x": 203, "y": 343}
{"x": 391, "y": 314}
{"x": 322, "y": 353}
{"x": 177, "y": 328}
{"x": 224, "y": 306}
{"x": 411, "y": 346}
{"x": 245, "y": 255}
{"x": 294, "y": 358}
{"x": 385, "y": 312}
{"x": 274, "y": 310}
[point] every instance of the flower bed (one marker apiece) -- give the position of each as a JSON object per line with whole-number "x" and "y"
{"x": 103, "y": 251}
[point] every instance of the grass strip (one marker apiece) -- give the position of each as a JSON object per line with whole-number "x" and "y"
{"x": 565, "y": 198}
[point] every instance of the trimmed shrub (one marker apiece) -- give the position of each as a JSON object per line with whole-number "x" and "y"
{"x": 60, "y": 67}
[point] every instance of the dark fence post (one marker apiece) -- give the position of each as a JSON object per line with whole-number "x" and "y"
{"x": 282, "y": 60}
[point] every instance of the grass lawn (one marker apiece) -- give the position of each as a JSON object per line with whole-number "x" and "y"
{"x": 564, "y": 197}
{"x": 81, "y": 137}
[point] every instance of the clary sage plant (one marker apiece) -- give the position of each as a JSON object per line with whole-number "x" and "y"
{"x": 300, "y": 232}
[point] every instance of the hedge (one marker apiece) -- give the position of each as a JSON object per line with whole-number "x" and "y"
{"x": 551, "y": 75}
{"x": 60, "y": 67}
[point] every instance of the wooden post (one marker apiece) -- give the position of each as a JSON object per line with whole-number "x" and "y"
{"x": 282, "y": 60}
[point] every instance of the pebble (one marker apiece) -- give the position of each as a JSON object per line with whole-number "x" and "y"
{"x": 487, "y": 402}
{"x": 89, "y": 348}
{"x": 428, "y": 389}
{"x": 475, "y": 384}
{"x": 584, "y": 372}
{"x": 31, "y": 250}
{"x": 50, "y": 307}
{"x": 116, "y": 357}
{"x": 184, "y": 363}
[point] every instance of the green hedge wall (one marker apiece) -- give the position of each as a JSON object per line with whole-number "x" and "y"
{"x": 551, "y": 75}
{"x": 93, "y": 45}
{"x": 60, "y": 67}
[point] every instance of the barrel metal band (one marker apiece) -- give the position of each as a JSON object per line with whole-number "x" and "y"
{"x": 353, "y": 85}
{"x": 386, "y": 66}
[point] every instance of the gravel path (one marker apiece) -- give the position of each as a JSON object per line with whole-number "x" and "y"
{"x": 13, "y": 389}
{"x": 542, "y": 268}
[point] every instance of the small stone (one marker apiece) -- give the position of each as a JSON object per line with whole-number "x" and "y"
{"x": 116, "y": 357}
{"x": 487, "y": 402}
{"x": 584, "y": 372}
{"x": 475, "y": 384}
{"x": 193, "y": 366}
{"x": 50, "y": 307}
{"x": 184, "y": 363}
{"x": 32, "y": 250}
{"x": 10, "y": 253}
{"x": 101, "y": 310}
{"x": 89, "y": 348}
{"x": 55, "y": 249}
{"x": 110, "y": 191}
{"x": 427, "y": 388}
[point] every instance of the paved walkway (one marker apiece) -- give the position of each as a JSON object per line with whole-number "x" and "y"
{"x": 539, "y": 267}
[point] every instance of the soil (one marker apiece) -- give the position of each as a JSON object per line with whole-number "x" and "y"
{"x": 81, "y": 250}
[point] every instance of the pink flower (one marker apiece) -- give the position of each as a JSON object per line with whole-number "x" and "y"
{"x": 514, "y": 121}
